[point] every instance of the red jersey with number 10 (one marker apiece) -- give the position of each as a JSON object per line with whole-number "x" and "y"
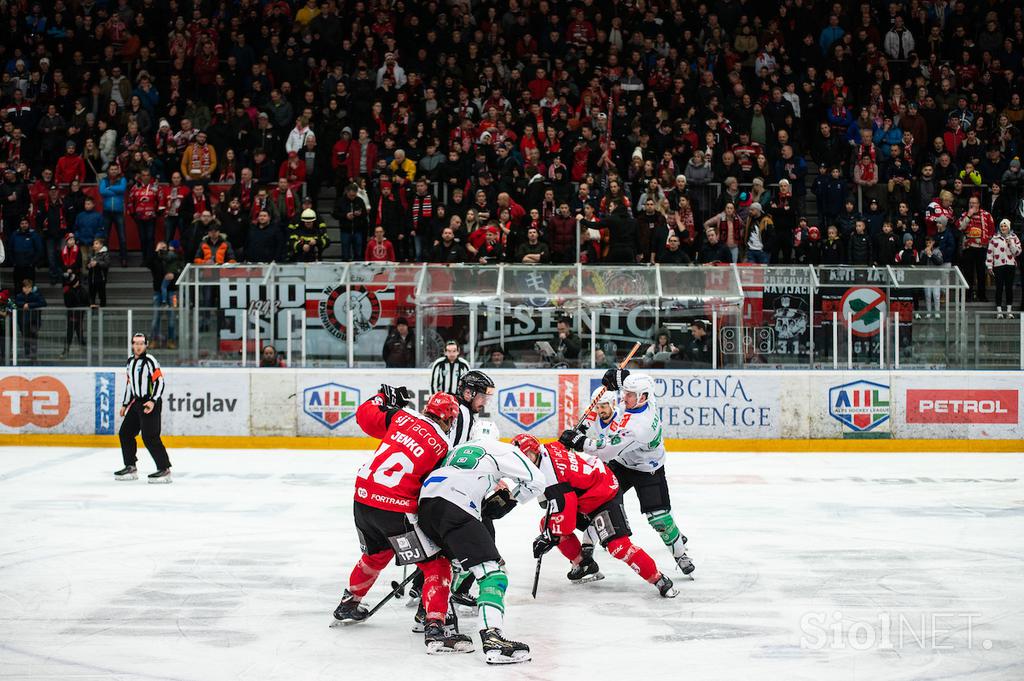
{"x": 411, "y": 446}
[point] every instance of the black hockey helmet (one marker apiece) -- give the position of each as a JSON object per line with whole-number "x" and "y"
{"x": 476, "y": 382}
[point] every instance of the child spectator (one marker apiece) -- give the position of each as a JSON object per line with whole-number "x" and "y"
{"x": 931, "y": 256}
{"x": 860, "y": 250}
{"x": 907, "y": 256}
{"x": 98, "y": 266}
{"x": 886, "y": 246}
{"x": 833, "y": 251}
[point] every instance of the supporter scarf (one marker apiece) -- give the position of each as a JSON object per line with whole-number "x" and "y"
{"x": 174, "y": 197}
{"x": 289, "y": 201}
{"x": 69, "y": 256}
{"x": 257, "y": 206}
{"x": 200, "y": 158}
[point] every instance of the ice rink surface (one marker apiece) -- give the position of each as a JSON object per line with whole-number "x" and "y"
{"x": 809, "y": 566}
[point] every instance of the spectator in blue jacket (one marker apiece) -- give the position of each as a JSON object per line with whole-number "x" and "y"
{"x": 28, "y": 302}
{"x": 26, "y": 251}
{"x": 792, "y": 167}
{"x": 89, "y": 224}
{"x": 945, "y": 241}
{"x": 112, "y": 189}
{"x": 830, "y": 34}
{"x": 886, "y": 136}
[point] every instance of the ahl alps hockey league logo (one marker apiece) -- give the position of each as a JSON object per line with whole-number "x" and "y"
{"x": 330, "y": 404}
{"x": 861, "y": 405}
{"x": 526, "y": 405}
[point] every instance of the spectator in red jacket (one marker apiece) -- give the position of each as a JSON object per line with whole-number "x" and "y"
{"x": 293, "y": 169}
{"x": 144, "y": 204}
{"x": 175, "y": 199}
{"x": 379, "y": 249}
{"x": 70, "y": 166}
{"x": 562, "y": 230}
{"x": 362, "y": 155}
{"x": 339, "y": 157}
{"x": 978, "y": 227}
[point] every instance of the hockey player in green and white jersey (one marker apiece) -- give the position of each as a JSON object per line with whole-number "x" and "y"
{"x": 455, "y": 498}
{"x": 628, "y": 437}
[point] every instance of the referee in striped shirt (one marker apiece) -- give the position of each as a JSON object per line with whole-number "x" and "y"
{"x": 141, "y": 410}
{"x": 446, "y": 371}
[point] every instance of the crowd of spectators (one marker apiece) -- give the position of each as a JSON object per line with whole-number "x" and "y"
{"x": 533, "y": 131}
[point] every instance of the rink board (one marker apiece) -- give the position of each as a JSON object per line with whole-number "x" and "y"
{"x": 721, "y": 410}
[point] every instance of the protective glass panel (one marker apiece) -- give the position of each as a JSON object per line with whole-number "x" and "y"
{"x": 541, "y": 284}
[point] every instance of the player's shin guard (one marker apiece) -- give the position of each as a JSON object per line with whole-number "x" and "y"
{"x": 570, "y": 547}
{"x": 364, "y": 574}
{"x": 635, "y": 557}
{"x": 437, "y": 581}
{"x": 491, "y": 600}
{"x": 665, "y": 526}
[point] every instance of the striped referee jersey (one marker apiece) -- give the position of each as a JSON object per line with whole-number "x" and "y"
{"x": 145, "y": 379}
{"x": 445, "y": 375}
{"x": 463, "y": 424}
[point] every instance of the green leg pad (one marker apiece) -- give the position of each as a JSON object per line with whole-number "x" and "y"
{"x": 665, "y": 526}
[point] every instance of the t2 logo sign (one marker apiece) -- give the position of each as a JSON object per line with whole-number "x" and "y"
{"x": 43, "y": 401}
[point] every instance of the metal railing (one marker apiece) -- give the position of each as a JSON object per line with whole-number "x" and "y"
{"x": 340, "y": 315}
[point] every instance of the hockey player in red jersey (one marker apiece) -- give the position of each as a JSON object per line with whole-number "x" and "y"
{"x": 387, "y": 489}
{"x": 582, "y": 492}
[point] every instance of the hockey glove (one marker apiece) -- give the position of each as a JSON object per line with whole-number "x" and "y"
{"x": 613, "y": 378}
{"x": 573, "y": 439}
{"x": 395, "y": 398}
{"x": 543, "y": 543}
{"x": 498, "y": 504}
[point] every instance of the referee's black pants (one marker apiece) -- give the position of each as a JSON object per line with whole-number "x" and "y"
{"x": 136, "y": 420}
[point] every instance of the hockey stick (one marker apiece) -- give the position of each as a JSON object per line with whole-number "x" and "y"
{"x": 401, "y": 589}
{"x": 536, "y": 574}
{"x": 603, "y": 390}
{"x": 547, "y": 517}
{"x": 394, "y": 592}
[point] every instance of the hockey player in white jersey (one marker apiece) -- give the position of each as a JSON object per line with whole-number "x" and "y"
{"x": 473, "y": 391}
{"x": 629, "y": 439}
{"x": 454, "y": 501}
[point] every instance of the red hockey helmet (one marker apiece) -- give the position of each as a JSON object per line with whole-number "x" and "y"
{"x": 527, "y": 444}
{"x": 443, "y": 406}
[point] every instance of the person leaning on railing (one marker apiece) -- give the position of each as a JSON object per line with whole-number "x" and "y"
{"x": 165, "y": 266}
{"x": 28, "y": 302}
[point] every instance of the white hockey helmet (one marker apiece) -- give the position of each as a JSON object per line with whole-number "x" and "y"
{"x": 605, "y": 397}
{"x": 484, "y": 430}
{"x": 641, "y": 384}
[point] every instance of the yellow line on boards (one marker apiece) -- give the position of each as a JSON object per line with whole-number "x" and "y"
{"x": 673, "y": 445}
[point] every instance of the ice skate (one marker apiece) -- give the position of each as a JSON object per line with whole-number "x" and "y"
{"x": 349, "y": 611}
{"x": 665, "y": 587}
{"x": 127, "y": 473}
{"x": 438, "y": 641}
{"x": 160, "y": 477}
{"x": 499, "y": 650}
{"x": 587, "y": 571}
